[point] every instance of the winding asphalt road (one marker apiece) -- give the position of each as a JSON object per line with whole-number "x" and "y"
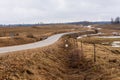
{"x": 46, "y": 42}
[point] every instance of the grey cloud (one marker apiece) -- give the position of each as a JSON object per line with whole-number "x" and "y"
{"x": 34, "y": 11}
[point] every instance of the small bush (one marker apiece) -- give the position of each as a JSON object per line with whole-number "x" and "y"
{"x": 17, "y": 34}
{"x": 30, "y": 36}
{"x": 76, "y": 58}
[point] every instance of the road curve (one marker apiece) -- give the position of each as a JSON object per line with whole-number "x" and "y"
{"x": 46, "y": 42}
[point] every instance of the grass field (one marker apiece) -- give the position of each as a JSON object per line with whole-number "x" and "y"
{"x": 48, "y": 63}
{"x": 102, "y": 41}
{"x": 22, "y": 35}
{"x": 107, "y": 61}
{"x": 57, "y": 62}
{"x": 109, "y": 28}
{"x": 54, "y": 62}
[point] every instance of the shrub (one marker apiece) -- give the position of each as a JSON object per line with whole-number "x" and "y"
{"x": 76, "y": 58}
{"x": 30, "y": 36}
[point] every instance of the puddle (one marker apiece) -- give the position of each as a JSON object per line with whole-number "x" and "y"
{"x": 110, "y": 37}
{"x": 116, "y": 44}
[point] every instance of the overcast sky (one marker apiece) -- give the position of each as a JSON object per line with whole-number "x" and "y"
{"x": 34, "y": 11}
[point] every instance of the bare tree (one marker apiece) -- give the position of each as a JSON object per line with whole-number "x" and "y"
{"x": 117, "y": 20}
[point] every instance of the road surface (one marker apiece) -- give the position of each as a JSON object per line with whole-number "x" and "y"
{"x": 46, "y": 42}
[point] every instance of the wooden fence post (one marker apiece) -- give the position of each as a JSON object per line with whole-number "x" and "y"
{"x": 76, "y": 43}
{"x": 94, "y": 52}
{"x": 81, "y": 46}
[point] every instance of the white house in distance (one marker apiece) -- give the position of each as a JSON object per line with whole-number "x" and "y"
{"x": 89, "y": 27}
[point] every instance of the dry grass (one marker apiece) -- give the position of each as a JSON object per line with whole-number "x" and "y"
{"x": 54, "y": 62}
{"x": 109, "y": 28}
{"x": 108, "y": 60}
{"x": 45, "y": 64}
{"x": 95, "y": 40}
{"x": 23, "y": 35}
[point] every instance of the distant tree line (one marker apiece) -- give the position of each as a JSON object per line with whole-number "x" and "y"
{"x": 116, "y": 20}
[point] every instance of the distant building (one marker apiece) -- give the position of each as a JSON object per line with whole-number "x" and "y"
{"x": 89, "y": 27}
